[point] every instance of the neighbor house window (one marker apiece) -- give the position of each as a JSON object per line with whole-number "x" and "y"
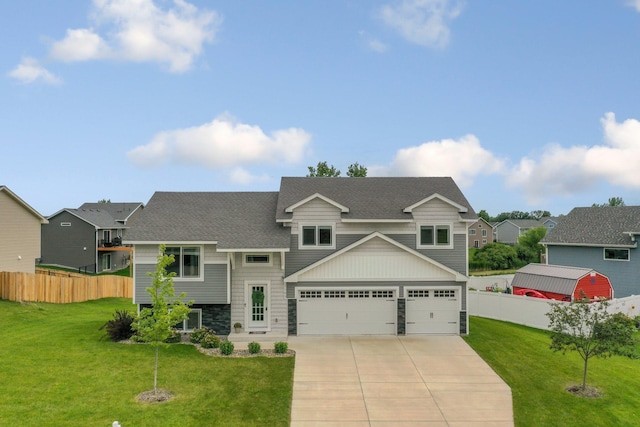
{"x": 187, "y": 261}
{"x": 435, "y": 236}
{"x": 317, "y": 235}
{"x": 616, "y": 254}
{"x": 472, "y": 231}
{"x": 484, "y": 233}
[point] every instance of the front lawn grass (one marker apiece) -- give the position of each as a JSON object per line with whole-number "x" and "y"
{"x": 538, "y": 378}
{"x": 55, "y": 370}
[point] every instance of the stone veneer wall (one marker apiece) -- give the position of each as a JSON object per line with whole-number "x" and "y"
{"x": 402, "y": 322}
{"x": 293, "y": 316}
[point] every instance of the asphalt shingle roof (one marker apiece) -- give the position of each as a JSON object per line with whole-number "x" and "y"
{"x": 236, "y": 220}
{"x": 596, "y": 226}
{"x": 370, "y": 198}
{"x": 119, "y": 211}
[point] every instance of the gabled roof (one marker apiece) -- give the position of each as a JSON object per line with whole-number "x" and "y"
{"x": 549, "y": 278}
{"x": 233, "y": 220}
{"x": 119, "y": 211}
{"x": 490, "y": 225}
{"x": 372, "y": 198}
{"x": 103, "y": 215}
{"x": 597, "y": 226}
{"x": 25, "y": 205}
{"x": 522, "y": 223}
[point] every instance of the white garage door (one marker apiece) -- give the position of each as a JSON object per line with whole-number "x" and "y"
{"x": 347, "y": 312}
{"x": 433, "y": 311}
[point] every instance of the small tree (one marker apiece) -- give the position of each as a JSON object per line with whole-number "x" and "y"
{"x": 530, "y": 241}
{"x": 588, "y": 329}
{"x": 323, "y": 170}
{"x": 357, "y": 171}
{"x": 154, "y": 325}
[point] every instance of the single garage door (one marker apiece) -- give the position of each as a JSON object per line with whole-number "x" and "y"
{"x": 433, "y": 311}
{"x": 347, "y": 312}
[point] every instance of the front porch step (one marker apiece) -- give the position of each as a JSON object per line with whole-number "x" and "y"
{"x": 261, "y": 338}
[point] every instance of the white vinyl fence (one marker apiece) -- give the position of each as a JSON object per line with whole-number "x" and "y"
{"x": 529, "y": 311}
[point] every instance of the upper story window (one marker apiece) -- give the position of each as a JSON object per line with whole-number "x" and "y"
{"x": 187, "y": 261}
{"x": 484, "y": 233}
{"x": 616, "y": 254}
{"x": 435, "y": 236}
{"x": 317, "y": 236}
{"x": 472, "y": 231}
{"x": 257, "y": 259}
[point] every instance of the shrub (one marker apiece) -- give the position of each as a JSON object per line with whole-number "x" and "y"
{"x": 281, "y": 347}
{"x": 119, "y": 328}
{"x": 254, "y": 347}
{"x": 210, "y": 341}
{"x": 199, "y": 334}
{"x": 174, "y": 338}
{"x": 226, "y": 347}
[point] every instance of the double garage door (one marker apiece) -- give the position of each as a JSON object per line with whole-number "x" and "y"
{"x": 336, "y": 311}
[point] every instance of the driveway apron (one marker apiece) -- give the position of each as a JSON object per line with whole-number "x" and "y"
{"x": 395, "y": 381}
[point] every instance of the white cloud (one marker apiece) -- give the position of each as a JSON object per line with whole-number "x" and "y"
{"x": 563, "y": 171}
{"x": 372, "y": 43}
{"x": 30, "y": 71}
{"x": 423, "y": 22}
{"x": 222, "y": 143}
{"x": 462, "y": 160}
{"x": 242, "y": 176}
{"x": 635, "y": 4}
{"x": 140, "y": 31}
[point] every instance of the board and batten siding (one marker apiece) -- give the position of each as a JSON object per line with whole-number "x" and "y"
{"x": 20, "y": 231}
{"x": 213, "y": 289}
{"x": 624, "y": 275}
{"x": 255, "y": 274}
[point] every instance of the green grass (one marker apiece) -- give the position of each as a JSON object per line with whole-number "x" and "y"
{"x": 538, "y": 378}
{"x": 55, "y": 371}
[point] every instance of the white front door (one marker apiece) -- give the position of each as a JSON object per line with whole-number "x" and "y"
{"x": 257, "y": 306}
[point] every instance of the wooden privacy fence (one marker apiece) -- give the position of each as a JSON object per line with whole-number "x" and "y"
{"x": 61, "y": 290}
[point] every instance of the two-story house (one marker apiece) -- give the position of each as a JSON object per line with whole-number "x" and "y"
{"x": 320, "y": 256}
{"x": 480, "y": 233}
{"x": 601, "y": 238}
{"x": 89, "y": 238}
{"x": 510, "y": 230}
{"x": 19, "y": 233}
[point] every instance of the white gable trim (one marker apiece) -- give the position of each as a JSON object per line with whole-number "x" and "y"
{"x": 342, "y": 208}
{"x": 460, "y": 208}
{"x": 294, "y": 277}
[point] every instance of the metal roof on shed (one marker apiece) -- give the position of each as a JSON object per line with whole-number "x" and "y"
{"x": 549, "y": 278}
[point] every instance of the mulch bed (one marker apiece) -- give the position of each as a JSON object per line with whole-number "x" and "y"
{"x": 590, "y": 392}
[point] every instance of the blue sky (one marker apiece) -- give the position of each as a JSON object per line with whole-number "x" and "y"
{"x": 527, "y": 105}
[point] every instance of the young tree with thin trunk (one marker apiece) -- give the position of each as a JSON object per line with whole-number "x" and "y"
{"x": 588, "y": 329}
{"x": 155, "y": 324}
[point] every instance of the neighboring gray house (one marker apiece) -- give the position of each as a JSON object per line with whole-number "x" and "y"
{"x": 480, "y": 233}
{"x": 509, "y": 230}
{"x": 601, "y": 238}
{"x": 19, "y": 233}
{"x": 89, "y": 238}
{"x": 321, "y": 256}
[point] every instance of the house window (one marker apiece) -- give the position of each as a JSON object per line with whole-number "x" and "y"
{"x": 187, "y": 261}
{"x": 435, "y": 236}
{"x": 484, "y": 233}
{"x": 317, "y": 235}
{"x": 257, "y": 259}
{"x": 106, "y": 236}
{"x": 65, "y": 224}
{"x": 476, "y": 244}
{"x": 193, "y": 321}
{"x": 472, "y": 231}
{"x": 616, "y": 254}
{"x": 106, "y": 261}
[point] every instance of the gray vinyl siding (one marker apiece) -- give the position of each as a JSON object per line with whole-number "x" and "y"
{"x": 507, "y": 233}
{"x": 455, "y": 259}
{"x": 624, "y": 275}
{"x": 65, "y": 246}
{"x": 213, "y": 290}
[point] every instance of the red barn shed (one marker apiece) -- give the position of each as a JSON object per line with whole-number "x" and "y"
{"x": 562, "y": 283}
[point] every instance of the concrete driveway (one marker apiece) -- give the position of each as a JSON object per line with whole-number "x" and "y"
{"x": 395, "y": 381}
